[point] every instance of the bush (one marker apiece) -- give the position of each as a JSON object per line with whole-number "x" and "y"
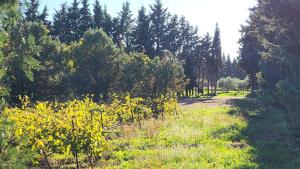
{"x": 13, "y": 151}
{"x": 77, "y": 126}
{"x": 229, "y": 83}
{"x": 226, "y": 84}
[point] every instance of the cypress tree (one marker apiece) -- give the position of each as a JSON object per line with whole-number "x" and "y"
{"x": 217, "y": 57}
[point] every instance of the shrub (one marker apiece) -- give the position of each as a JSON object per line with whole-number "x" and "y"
{"x": 77, "y": 126}
{"x": 13, "y": 151}
{"x": 229, "y": 83}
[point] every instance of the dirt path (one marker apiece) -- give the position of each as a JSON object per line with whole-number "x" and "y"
{"x": 209, "y": 102}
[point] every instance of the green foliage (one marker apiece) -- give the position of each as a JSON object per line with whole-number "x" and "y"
{"x": 98, "y": 17}
{"x": 76, "y": 126}
{"x": 141, "y": 33}
{"x": 97, "y": 64}
{"x": 14, "y": 152}
{"x": 270, "y": 46}
{"x": 229, "y": 83}
{"x": 158, "y": 17}
{"x": 197, "y": 138}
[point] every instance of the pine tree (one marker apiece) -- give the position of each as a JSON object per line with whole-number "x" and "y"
{"x": 32, "y": 12}
{"x": 61, "y": 25}
{"x": 158, "y": 16}
{"x": 74, "y": 21}
{"x": 249, "y": 57}
{"x": 171, "y": 41}
{"x": 85, "y": 21}
{"x": 126, "y": 26}
{"x": 116, "y": 32}
{"x": 43, "y": 17}
{"x": 98, "y": 18}
{"x": 107, "y": 23}
{"x": 141, "y": 34}
{"x": 189, "y": 41}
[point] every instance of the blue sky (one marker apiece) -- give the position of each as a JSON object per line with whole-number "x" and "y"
{"x": 230, "y": 14}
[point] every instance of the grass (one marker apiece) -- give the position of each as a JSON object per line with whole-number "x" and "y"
{"x": 270, "y": 133}
{"x": 198, "y": 138}
{"x": 232, "y": 94}
{"x": 246, "y": 135}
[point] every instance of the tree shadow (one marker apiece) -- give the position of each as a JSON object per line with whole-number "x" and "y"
{"x": 269, "y": 133}
{"x": 189, "y": 101}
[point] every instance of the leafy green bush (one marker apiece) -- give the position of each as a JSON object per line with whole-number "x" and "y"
{"x": 229, "y": 83}
{"x": 13, "y": 152}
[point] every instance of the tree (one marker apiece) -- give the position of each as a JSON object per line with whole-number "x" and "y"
{"x": 206, "y": 53}
{"x": 73, "y": 16}
{"x": 98, "y": 18}
{"x": 125, "y": 27}
{"x": 85, "y": 20}
{"x": 107, "y": 23}
{"x": 249, "y": 57}
{"x": 32, "y": 11}
{"x": 141, "y": 34}
{"x": 172, "y": 37}
{"x": 61, "y": 25}
{"x": 23, "y": 65}
{"x": 216, "y": 58}
{"x": 95, "y": 64}
{"x": 158, "y": 16}
{"x": 43, "y": 17}
{"x": 189, "y": 40}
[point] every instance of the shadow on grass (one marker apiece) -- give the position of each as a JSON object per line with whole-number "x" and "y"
{"x": 189, "y": 101}
{"x": 269, "y": 132}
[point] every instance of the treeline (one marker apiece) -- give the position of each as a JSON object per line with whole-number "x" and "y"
{"x": 82, "y": 52}
{"x": 270, "y": 53}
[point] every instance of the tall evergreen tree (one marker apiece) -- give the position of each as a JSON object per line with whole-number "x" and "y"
{"x": 158, "y": 16}
{"x": 85, "y": 21}
{"x": 61, "y": 25}
{"x": 141, "y": 33}
{"x": 249, "y": 58}
{"x": 107, "y": 23}
{"x": 74, "y": 21}
{"x": 217, "y": 57}
{"x": 98, "y": 17}
{"x": 32, "y": 11}
{"x": 43, "y": 18}
{"x": 171, "y": 41}
{"x": 189, "y": 41}
{"x": 126, "y": 26}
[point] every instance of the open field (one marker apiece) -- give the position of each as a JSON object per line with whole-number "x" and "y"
{"x": 222, "y": 132}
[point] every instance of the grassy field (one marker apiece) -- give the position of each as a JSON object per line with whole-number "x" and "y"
{"x": 240, "y": 134}
{"x": 223, "y": 132}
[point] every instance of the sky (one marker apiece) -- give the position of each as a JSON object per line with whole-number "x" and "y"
{"x": 229, "y": 14}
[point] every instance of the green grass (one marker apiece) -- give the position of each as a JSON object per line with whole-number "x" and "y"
{"x": 270, "y": 133}
{"x": 232, "y": 94}
{"x": 247, "y": 135}
{"x": 198, "y": 138}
